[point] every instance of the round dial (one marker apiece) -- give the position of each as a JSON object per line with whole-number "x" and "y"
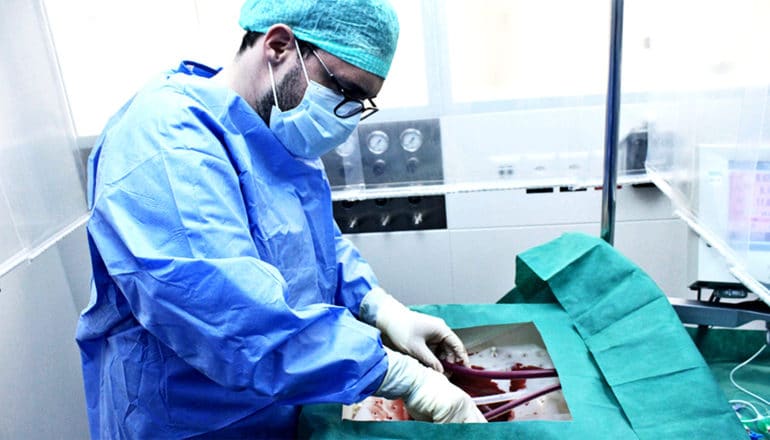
{"x": 378, "y": 142}
{"x": 411, "y": 139}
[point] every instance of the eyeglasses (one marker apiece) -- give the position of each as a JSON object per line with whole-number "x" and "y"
{"x": 342, "y": 110}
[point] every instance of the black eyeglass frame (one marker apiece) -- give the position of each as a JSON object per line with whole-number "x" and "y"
{"x": 361, "y": 108}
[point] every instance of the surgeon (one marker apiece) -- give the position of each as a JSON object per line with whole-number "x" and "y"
{"x": 224, "y": 296}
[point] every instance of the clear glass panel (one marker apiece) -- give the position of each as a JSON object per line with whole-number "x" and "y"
{"x": 343, "y": 166}
{"x": 511, "y": 49}
{"x": 10, "y": 243}
{"x": 527, "y": 102}
{"x": 710, "y": 120}
{"x": 38, "y": 167}
{"x": 407, "y": 84}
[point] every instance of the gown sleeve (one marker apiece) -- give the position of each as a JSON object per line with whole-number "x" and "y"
{"x": 355, "y": 277}
{"x": 171, "y": 225}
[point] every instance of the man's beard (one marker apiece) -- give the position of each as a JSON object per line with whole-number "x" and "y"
{"x": 289, "y": 95}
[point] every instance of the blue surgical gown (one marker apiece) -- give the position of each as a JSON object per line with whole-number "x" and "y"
{"x": 223, "y": 295}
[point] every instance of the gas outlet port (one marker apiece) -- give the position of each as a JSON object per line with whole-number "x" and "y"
{"x": 413, "y": 213}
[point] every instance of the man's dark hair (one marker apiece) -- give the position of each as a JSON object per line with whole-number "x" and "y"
{"x": 251, "y": 37}
{"x": 248, "y": 40}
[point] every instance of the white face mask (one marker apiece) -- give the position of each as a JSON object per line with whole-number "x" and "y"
{"x": 311, "y": 129}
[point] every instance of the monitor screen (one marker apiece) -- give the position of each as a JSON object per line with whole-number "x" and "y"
{"x": 749, "y": 206}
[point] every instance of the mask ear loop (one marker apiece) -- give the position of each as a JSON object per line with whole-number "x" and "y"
{"x": 301, "y": 61}
{"x": 272, "y": 83}
{"x": 272, "y": 78}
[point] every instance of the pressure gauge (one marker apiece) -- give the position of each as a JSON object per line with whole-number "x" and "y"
{"x": 378, "y": 142}
{"x": 411, "y": 139}
{"x": 348, "y": 147}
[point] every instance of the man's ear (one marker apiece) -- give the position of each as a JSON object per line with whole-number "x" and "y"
{"x": 278, "y": 43}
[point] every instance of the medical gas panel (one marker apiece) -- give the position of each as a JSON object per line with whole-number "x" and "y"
{"x": 384, "y": 167}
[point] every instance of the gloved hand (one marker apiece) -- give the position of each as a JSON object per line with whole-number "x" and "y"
{"x": 427, "y": 394}
{"x": 409, "y": 332}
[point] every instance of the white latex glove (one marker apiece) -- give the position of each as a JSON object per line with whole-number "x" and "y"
{"x": 410, "y": 332}
{"x": 427, "y": 394}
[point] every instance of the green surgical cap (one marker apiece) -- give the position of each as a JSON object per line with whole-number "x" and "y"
{"x": 363, "y": 33}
